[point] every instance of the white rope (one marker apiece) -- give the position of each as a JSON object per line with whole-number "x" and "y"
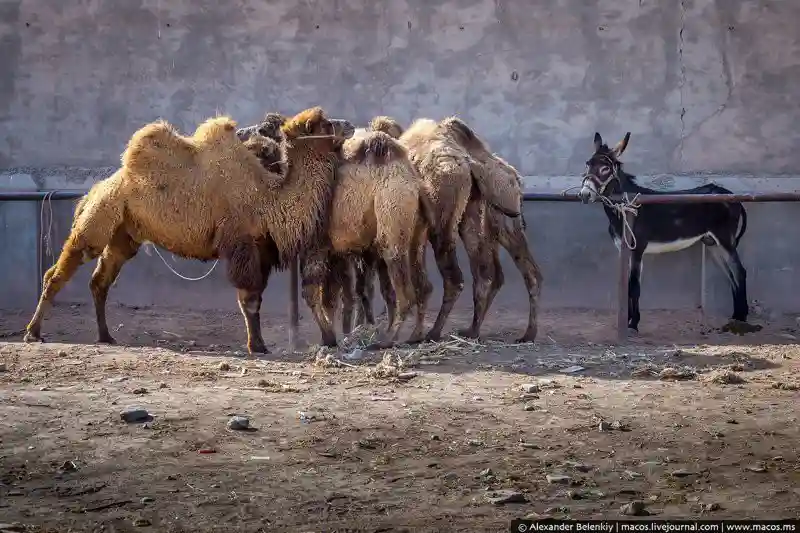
{"x": 204, "y": 276}
{"x": 47, "y": 236}
{"x": 624, "y": 207}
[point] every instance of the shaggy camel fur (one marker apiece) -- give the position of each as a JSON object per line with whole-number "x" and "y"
{"x": 442, "y": 153}
{"x": 379, "y": 206}
{"x": 202, "y": 197}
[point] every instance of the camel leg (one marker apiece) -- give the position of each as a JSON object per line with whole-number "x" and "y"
{"x": 119, "y": 251}
{"x": 398, "y": 269}
{"x": 345, "y": 271}
{"x": 72, "y": 256}
{"x": 422, "y": 287}
{"x": 516, "y": 243}
{"x": 365, "y": 288}
{"x": 498, "y": 279}
{"x": 444, "y": 248}
{"x": 250, "y": 305}
{"x": 248, "y": 271}
{"x": 387, "y": 291}
{"x": 315, "y": 277}
{"x": 478, "y": 242}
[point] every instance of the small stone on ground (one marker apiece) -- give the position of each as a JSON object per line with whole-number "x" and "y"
{"x": 134, "y": 414}
{"x": 634, "y": 508}
{"x": 503, "y": 496}
{"x": 238, "y": 423}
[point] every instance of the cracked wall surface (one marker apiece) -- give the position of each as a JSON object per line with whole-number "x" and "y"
{"x": 703, "y": 85}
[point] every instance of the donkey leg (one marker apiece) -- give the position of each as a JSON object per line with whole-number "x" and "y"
{"x": 119, "y": 251}
{"x": 72, "y": 256}
{"x": 515, "y": 242}
{"x": 634, "y": 288}
{"x": 727, "y": 257}
{"x": 444, "y": 248}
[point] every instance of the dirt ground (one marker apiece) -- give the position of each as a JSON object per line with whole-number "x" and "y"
{"x": 689, "y": 422}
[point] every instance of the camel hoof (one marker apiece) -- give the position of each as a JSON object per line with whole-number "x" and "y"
{"x": 379, "y": 345}
{"x": 330, "y": 344}
{"x": 433, "y": 337}
{"x": 32, "y": 337}
{"x": 257, "y": 348}
{"x": 415, "y": 339}
{"x": 468, "y": 333}
{"x": 527, "y": 338}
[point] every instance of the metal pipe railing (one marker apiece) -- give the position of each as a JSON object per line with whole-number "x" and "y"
{"x": 624, "y": 252}
{"x": 27, "y": 196}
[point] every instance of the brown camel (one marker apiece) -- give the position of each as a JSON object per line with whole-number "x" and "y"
{"x": 379, "y": 206}
{"x": 202, "y": 197}
{"x": 451, "y": 158}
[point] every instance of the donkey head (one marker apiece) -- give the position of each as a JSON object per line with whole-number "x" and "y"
{"x": 602, "y": 175}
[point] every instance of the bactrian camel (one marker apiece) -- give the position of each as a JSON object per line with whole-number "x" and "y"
{"x": 379, "y": 205}
{"x": 204, "y": 197}
{"x": 477, "y": 192}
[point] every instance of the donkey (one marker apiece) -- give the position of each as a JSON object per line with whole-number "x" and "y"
{"x": 664, "y": 228}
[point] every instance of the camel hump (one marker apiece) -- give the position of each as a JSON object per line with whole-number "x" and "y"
{"x": 154, "y": 144}
{"x": 216, "y": 130}
{"x": 463, "y": 134}
{"x": 378, "y": 148}
{"x": 387, "y": 125}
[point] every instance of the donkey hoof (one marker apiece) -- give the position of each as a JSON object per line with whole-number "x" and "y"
{"x": 739, "y": 327}
{"x": 32, "y": 337}
{"x": 527, "y": 338}
{"x": 106, "y": 339}
{"x": 633, "y": 332}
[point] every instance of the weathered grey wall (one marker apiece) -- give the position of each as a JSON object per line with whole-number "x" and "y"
{"x": 703, "y": 85}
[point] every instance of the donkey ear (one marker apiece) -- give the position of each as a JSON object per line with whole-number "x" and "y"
{"x": 598, "y": 142}
{"x": 620, "y": 147}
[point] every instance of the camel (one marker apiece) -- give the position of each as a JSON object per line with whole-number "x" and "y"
{"x": 206, "y": 196}
{"x": 478, "y": 193}
{"x": 379, "y": 206}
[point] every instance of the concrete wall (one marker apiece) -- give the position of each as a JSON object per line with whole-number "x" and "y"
{"x": 703, "y": 85}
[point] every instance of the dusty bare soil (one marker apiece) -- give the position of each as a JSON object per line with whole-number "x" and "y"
{"x": 689, "y": 422}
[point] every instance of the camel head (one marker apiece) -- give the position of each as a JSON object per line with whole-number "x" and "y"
{"x": 271, "y": 153}
{"x": 311, "y": 122}
{"x": 343, "y": 128}
{"x": 269, "y": 127}
{"x": 387, "y": 125}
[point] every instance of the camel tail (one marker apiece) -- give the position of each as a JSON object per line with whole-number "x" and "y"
{"x": 427, "y": 211}
{"x": 465, "y": 135}
{"x": 387, "y": 125}
{"x": 503, "y": 199}
{"x": 379, "y": 148}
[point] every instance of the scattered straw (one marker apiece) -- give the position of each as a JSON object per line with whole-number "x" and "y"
{"x": 722, "y": 377}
